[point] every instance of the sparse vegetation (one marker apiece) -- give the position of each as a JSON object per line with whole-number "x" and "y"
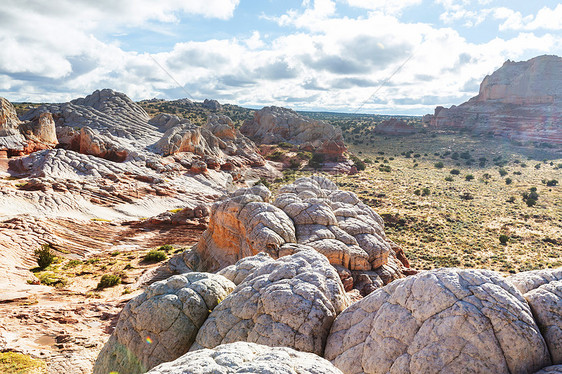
{"x": 45, "y": 256}
{"x": 18, "y": 363}
{"x": 108, "y": 280}
{"x": 155, "y": 256}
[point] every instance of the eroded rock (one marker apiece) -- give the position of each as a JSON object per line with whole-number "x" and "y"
{"x": 448, "y": 320}
{"x": 290, "y": 302}
{"x": 242, "y": 357}
{"x": 161, "y": 324}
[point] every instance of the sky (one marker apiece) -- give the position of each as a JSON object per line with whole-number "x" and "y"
{"x": 356, "y": 56}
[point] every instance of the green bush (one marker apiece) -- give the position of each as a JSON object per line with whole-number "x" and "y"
{"x": 504, "y": 238}
{"x": 552, "y": 183}
{"x": 455, "y": 171}
{"x": 508, "y": 180}
{"x": 469, "y": 177}
{"x": 155, "y": 256}
{"x": 108, "y": 280}
{"x": 439, "y": 165}
{"x": 166, "y": 248}
{"x": 316, "y": 161}
{"x": 449, "y": 178}
{"x": 426, "y": 191}
{"x": 502, "y": 172}
{"x": 44, "y": 256}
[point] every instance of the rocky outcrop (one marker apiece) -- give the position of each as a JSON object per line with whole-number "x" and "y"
{"x": 272, "y": 125}
{"x": 217, "y": 143}
{"x": 555, "y": 369}
{"x": 213, "y": 105}
{"x": 311, "y": 211}
{"x": 543, "y": 291}
{"x": 290, "y": 302}
{"x": 20, "y": 138}
{"x": 394, "y": 127}
{"x": 238, "y": 272}
{"x": 161, "y": 324}
{"x": 520, "y": 101}
{"x": 244, "y": 357}
{"x": 448, "y": 320}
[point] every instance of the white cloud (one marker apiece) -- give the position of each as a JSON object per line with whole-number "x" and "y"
{"x": 546, "y": 18}
{"x": 387, "y": 7}
{"x": 323, "y": 60}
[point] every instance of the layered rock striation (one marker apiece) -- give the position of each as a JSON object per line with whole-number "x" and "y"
{"x": 520, "y": 101}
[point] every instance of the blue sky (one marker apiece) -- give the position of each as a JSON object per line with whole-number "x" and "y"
{"x": 333, "y": 55}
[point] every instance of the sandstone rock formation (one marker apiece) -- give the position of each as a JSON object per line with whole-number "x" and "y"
{"x": 555, "y": 369}
{"x": 394, "y": 127}
{"x": 529, "y": 280}
{"x": 20, "y": 138}
{"x": 543, "y": 291}
{"x": 290, "y": 302}
{"x": 272, "y": 125}
{"x": 244, "y": 357}
{"x": 519, "y": 101}
{"x": 311, "y": 211}
{"x": 161, "y": 324}
{"x": 447, "y": 320}
{"x": 238, "y": 272}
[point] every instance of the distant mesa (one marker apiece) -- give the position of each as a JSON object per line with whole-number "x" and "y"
{"x": 520, "y": 101}
{"x": 395, "y": 127}
{"x": 273, "y": 125}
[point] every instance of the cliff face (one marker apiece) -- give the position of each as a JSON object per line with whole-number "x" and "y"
{"x": 519, "y": 101}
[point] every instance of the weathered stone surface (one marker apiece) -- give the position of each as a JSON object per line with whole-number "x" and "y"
{"x": 272, "y": 125}
{"x": 290, "y": 302}
{"x": 529, "y": 280}
{"x": 546, "y": 304}
{"x": 555, "y": 369}
{"x": 394, "y": 127}
{"x": 41, "y": 130}
{"x": 161, "y": 324}
{"x": 311, "y": 211}
{"x": 520, "y": 101}
{"x": 447, "y": 320}
{"x": 8, "y": 116}
{"x": 242, "y": 357}
{"x": 244, "y": 267}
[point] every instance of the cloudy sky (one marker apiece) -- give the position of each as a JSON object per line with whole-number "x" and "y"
{"x": 372, "y": 56}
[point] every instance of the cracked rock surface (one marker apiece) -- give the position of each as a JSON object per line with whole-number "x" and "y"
{"x": 555, "y": 369}
{"x": 311, "y": 211}
{"x": 242, "y": 357}
{"x": 161, "y": 324}
{"x": 543, "y": 291}
{"x": 448, "y": 320}
{"x": 290, "y": 302}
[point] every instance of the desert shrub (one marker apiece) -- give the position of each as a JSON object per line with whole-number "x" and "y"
{"x": 360, "y": 165}
{"x": 508, "y": 180}
{"x": 294, "y": 163}
{"x": 530, "y": 198}
{"x": 263, "y": 182}
{"x": 426, "y": 191}
{"x": 439, "y": 165}
{"x": 511, "y": 199}
{"x": 155, "y": 256}
{"x": 285, "y": 145}
{"x": 275, "y": 156}
{"x": 417, "y": 192}
{"x": 552, "y": 183}
{"x": 537, "y": 166}
{"x": 108, "y": 280}
{"x": 465, "y": 155}
{"x": 504, "y": 239}
{"x": 316, "y": 161}
{"x": 455, "y": 172}
{"x": 467, "y": 196}
{"x": 304, "y": 155}
{"x": 455, "y": 156}
{"x": 469, "y": 177}
{"x": 368, "y": 161}
{"x": 449, "y": 178}
{"x": 50, "y": 278}
{"x": 44, "y": 256}
{"x": 502, "y": 172}
{"x": 166, "y": 248}
{"x": 385, "y": 168}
